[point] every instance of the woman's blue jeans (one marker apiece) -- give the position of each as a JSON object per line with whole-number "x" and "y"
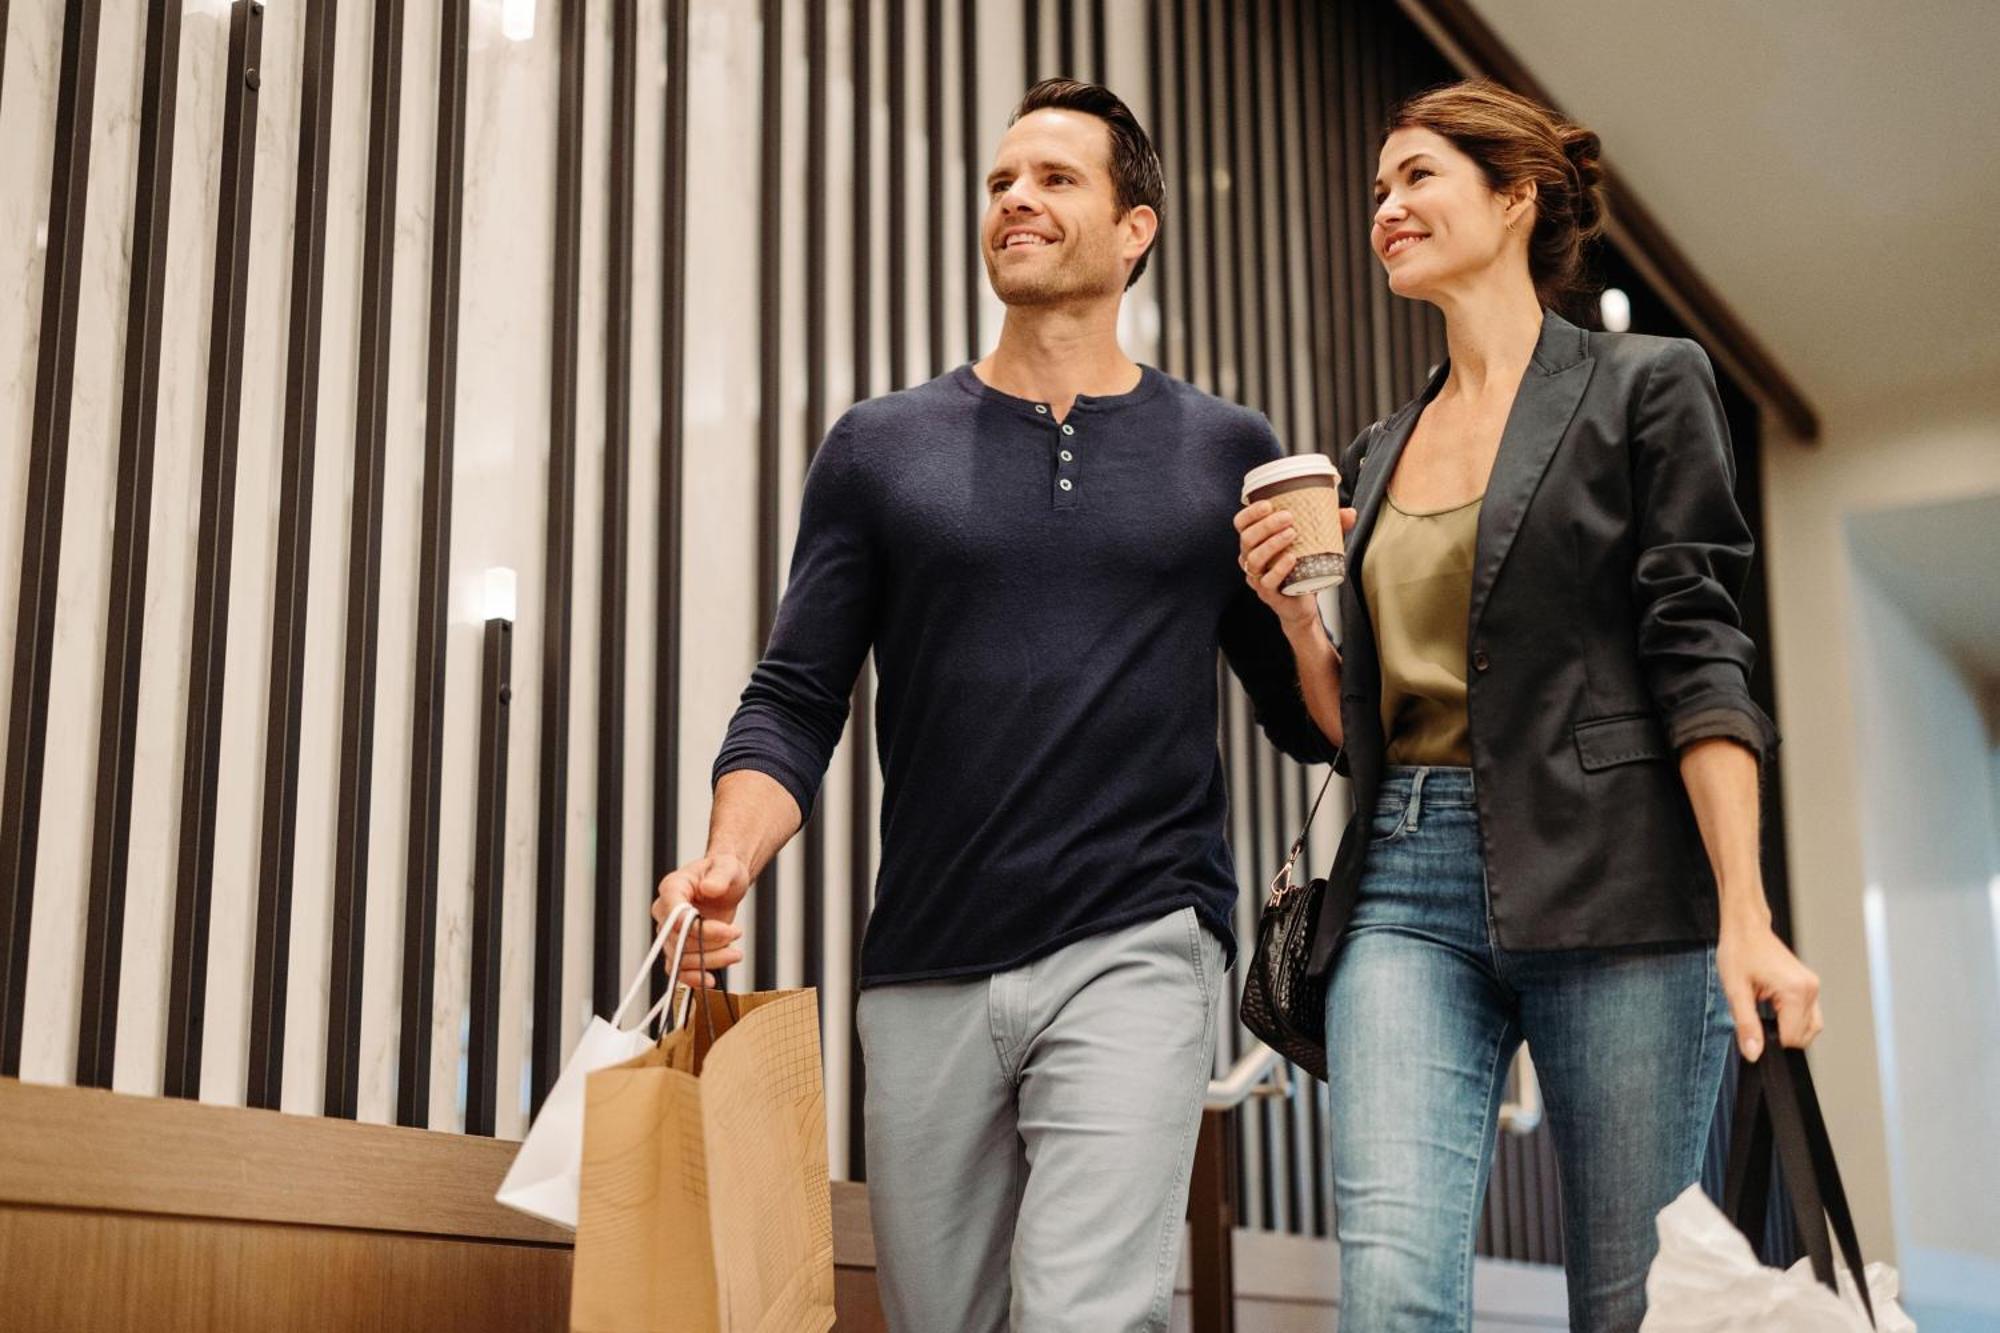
{"x": 1423, "y": 1016}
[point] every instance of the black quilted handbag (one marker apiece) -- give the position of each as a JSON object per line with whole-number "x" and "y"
{"x": 1284, "y": 1007}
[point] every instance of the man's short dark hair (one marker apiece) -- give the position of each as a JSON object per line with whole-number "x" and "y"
{"x": 1136, "y": 175}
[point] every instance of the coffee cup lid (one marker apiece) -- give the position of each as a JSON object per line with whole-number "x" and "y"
{"x": 1289, "y": 469}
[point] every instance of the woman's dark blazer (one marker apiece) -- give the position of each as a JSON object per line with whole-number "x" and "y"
{"x": 1604, "y": 637}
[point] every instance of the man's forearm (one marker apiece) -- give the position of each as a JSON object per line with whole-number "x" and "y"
{"x": 753, "y": 816}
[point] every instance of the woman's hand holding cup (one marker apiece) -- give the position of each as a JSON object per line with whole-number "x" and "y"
{"x": 1265, "y": 534}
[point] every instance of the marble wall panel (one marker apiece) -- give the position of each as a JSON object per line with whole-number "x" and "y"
{"x": 27, "y": 143}
{"x": 55, "y": 954}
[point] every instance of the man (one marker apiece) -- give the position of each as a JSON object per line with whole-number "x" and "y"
{"x": 1039, "y": 550}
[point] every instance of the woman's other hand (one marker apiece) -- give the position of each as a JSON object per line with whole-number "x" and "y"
{"x": 1755, "y": 965}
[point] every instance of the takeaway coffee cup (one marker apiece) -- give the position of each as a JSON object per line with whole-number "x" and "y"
{"x": 1307, "y": 486}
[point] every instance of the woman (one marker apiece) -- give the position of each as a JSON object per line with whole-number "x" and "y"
{"x": 1553, "y": 750}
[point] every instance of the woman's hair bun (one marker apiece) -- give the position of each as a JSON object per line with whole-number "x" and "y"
{"x": 1585, "y": 152}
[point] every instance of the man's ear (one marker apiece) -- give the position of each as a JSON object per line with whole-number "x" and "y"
{"x": 1141, "y": 224}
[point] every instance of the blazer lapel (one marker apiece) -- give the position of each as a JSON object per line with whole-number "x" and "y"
{"x": 1377, "y": 466}
{"x": 1543, "y": 406}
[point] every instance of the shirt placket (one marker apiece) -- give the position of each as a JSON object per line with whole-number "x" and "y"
{"x": 1069, "y": 468}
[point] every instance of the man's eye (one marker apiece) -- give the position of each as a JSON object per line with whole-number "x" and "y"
{"x": 998, "y": 187}
{"x": 1060, "y": 179}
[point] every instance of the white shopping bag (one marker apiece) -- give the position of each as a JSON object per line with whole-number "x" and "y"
{"x": 1707, "y": 1280}
{"x": 545, "y": 1178}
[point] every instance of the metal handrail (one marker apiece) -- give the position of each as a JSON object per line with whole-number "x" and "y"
{"x": 1247, "y": 1078}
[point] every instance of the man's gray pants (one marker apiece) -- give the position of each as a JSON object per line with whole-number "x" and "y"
{"x": 1030, "y": 1133}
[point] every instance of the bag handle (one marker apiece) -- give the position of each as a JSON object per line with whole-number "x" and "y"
{"x": 707, "y": 1013}
{"x": 686, "y": 917}
{"x": 1281, "y": 883}
{"x": 1775, "y": 1099}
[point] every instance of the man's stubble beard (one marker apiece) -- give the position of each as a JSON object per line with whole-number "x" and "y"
{"x": 1076, "y": 278}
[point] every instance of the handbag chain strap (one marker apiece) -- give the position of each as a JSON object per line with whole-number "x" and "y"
{"x": 1282, "y": 886}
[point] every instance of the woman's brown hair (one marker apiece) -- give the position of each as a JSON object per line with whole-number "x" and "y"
{"x": 1516, "y": 140}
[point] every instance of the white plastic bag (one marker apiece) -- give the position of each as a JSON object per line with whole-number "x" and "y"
{"x": 545, "y": 1178}
{"x": 1706, "y": 1279}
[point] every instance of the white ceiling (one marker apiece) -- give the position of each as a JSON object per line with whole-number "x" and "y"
{"x": 1832, "y": 168}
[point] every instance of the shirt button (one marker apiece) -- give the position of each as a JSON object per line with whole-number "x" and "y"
{"x": 1064, "y": 483}
{"x": 1068, "y": 457}
{"x": 1068, "y": 429}
{"x": 1043, "y": 408}
{"x": 1480, "y": 661}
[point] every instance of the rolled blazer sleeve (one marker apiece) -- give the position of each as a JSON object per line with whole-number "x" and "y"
{"x": 1694, "y": 554}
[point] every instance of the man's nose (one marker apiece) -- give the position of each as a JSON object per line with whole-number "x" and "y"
{"x": 1016, "y": 199}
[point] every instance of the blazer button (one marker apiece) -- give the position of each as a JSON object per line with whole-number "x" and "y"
{"x": 1480, "y": 661}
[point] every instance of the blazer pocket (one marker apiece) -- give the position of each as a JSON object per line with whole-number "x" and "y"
{"x": 1608, "y": 741}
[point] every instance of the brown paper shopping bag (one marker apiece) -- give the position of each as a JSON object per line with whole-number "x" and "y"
{"x": 704, "y": 1205}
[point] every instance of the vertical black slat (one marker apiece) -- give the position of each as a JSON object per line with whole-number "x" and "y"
{"x": 770, "y": 302}
{"x": 559, "y": 558}
{"x": 667, "y": 533}
{"x": 271, "y": 949}
{"x": 897, "y": 61}
{"x": 3, "y": 47}
{"x": 208, "y": 635}
{"x": 1239, "y": 243}
{"x": 364, "y": 569}
{"x": 1369, "y": 124}
{"x": 934, "y": 179}
{"x": 41, "y": 532}
{"x": 1212, "y": 240}
{"x": 1229, "y": 1025}
{"x": 1350, "y": 211}
{"x": 1184, "y": 150}
{"x": 1275, "y": 393}
{"x": 1413, "y": 311}
{"x": 489, "y": 870}
{"x": 975, "y": 190}
{"x": 1385, "y": 67}
{"x": 1301, "y": 92}
{"x": 1341, "y": 219}
{"x": 1162, "y": 264}
{"x": 1100, "y": 48}
{"x": 1255, "y": 182}
{"x": 813, "y": 955}
{"x": 607, "y": 918}
{"x": 860, "y": 772}
{"x": 1253, "y": 388}
{"x": 1066, "y": 39}
{"x": 420, "y": 885}
{"x": 125, "y": 618}
{"x": 1031, "y": 40}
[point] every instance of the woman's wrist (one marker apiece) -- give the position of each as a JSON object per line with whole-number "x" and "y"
{"x": 1744, "y": 910}
{"x": 1308, "y": 636}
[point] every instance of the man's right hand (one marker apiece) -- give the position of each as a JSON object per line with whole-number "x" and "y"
{"x": 715, "y": 885}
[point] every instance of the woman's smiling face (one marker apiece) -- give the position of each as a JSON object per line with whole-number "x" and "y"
{"x": 1437, "y": 220}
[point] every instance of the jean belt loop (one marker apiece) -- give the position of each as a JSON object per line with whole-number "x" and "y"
{"x": 1416, "y": 808}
